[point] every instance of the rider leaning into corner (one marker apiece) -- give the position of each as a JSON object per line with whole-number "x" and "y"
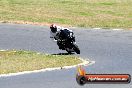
{"x": 55, "y": 33}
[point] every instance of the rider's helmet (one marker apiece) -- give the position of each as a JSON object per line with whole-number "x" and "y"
{"x": 53, "y": 28}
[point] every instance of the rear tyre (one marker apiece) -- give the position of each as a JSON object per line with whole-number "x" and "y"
{"x": 76, "y": 49}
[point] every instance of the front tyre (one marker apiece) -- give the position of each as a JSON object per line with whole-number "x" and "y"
{"x": 76, "y": 49}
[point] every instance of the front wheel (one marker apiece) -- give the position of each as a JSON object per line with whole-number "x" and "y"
{"x": 76, "y": 49}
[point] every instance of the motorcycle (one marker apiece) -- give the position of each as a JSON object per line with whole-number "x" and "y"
{"x": 67, "y": 42}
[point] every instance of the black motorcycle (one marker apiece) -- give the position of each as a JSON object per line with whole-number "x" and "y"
{"x": 66, "y": 42}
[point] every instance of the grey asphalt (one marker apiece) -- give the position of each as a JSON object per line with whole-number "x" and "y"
{"x": 111, "y": 51}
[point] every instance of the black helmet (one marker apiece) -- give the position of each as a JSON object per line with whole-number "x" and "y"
{"x": 53, "y": 28}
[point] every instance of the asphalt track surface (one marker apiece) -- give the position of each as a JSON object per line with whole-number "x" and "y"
{"x": 111, "y": 51}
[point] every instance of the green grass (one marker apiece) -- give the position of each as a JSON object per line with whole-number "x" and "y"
{"x": 18, "y": 61}
{"x": 83, "y": 13}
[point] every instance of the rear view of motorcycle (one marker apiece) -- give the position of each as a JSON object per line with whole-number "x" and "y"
{"x": 65, "y": 38}
{"x": 67, "y": 41}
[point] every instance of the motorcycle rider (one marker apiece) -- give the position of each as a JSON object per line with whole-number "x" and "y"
{"x": 55, "y": 34}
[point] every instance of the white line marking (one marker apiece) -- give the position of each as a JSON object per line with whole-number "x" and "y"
{"x": 3, "y": 50}
{"x": 117, "y": 29}
{"x": 97, "y": 28}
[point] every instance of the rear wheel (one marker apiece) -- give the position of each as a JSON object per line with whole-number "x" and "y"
{"x": 76, "y": 49}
